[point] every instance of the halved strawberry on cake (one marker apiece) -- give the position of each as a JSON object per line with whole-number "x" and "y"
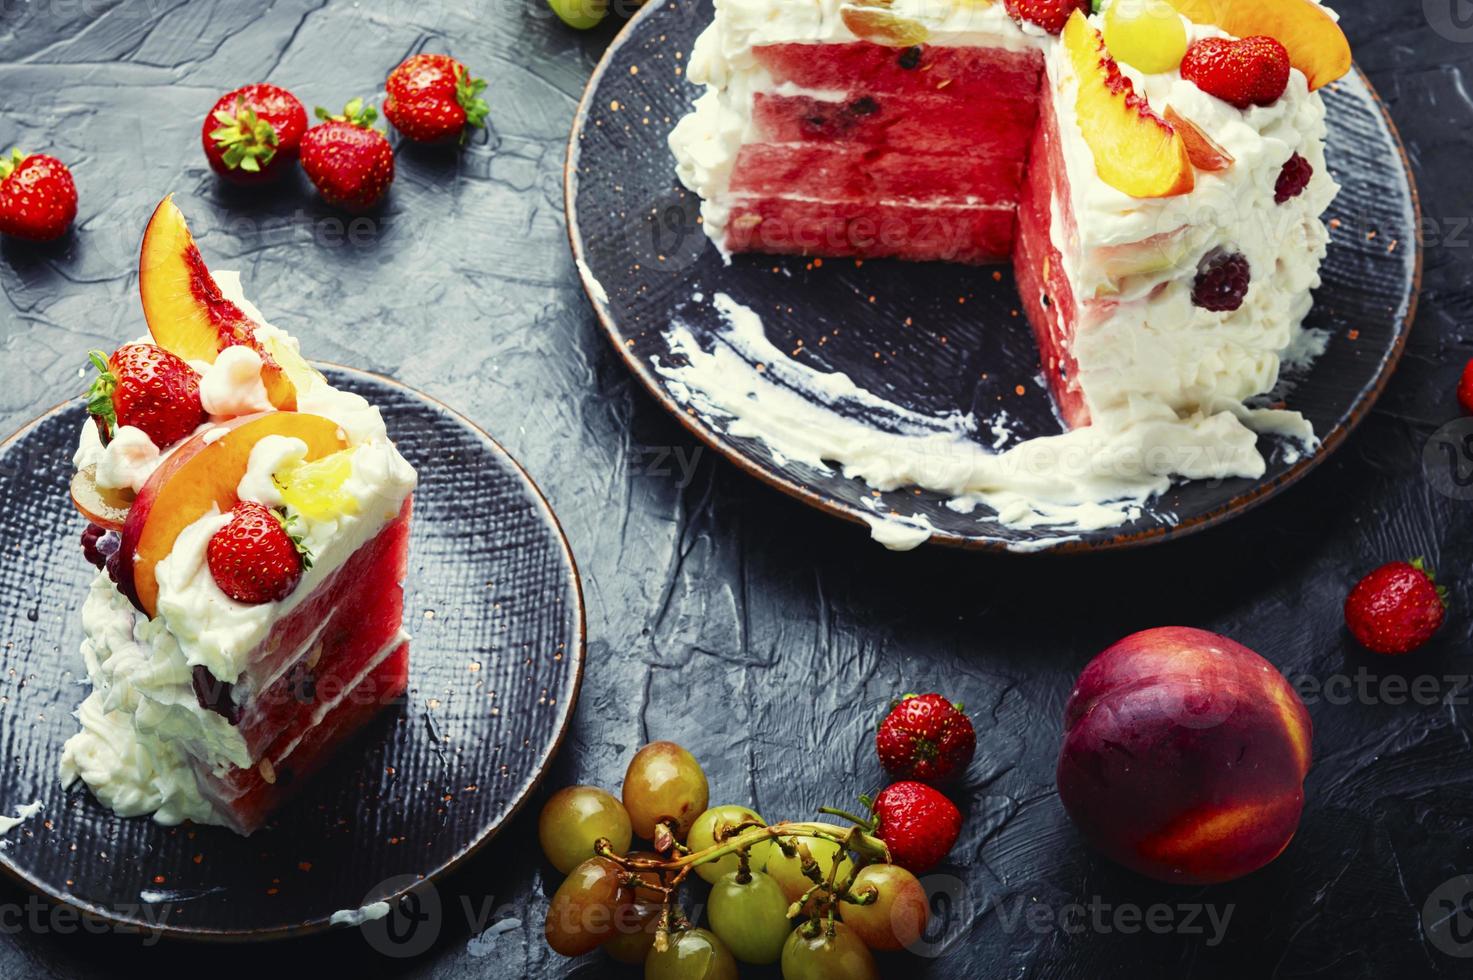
{"x": 247, "y": 618}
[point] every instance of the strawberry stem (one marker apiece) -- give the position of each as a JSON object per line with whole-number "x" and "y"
{"x": 356, "y": 112}
{"x": 246, "y": 141}
{"x": 8, "y": 164}
{"x": 100, "y": 395}
{"x": 468, "y": 93}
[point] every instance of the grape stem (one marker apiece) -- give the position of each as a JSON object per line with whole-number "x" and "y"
{"x": 868, "y": 847}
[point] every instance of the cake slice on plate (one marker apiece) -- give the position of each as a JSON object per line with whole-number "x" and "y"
{"x": 1155, "y": 172}
{"x": 251, "y": 525}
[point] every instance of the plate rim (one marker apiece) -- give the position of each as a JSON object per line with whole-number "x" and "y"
{"x": 1259, "y": 493}
{"x": 209, "y": 936}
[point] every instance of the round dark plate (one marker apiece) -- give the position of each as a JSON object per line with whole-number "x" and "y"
{"x": 643, "y": 256}
{"x": 496, "y": 612}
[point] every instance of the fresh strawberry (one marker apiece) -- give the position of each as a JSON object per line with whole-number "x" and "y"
{"x": 1465, "y": 388}
{"x": 1396, "y": 608}
{"x": 254, "y": 133}
{"x": 431, "y": 98}
{"x": 38, "y": 199}
{"x": 917, "y": 823}
{"x": 1251, "y": 71}
{"x": 253, "y": 558}
{"x": 1051, "y": 15}
{"x": 148, "y": 388}
{"x": 926, "y": 738}
{"x": 351, "y": 162}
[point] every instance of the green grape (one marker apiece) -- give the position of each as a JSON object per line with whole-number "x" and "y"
{"x": 751, "y": 918}
{"x": 897, "y": 917}
{"x": 694, "y": 954}
{"x": 823, "y": 957}
{"x": 788, "y": 871}
{"x": 581, "y": 14}
{"x": 582, "y": 914}
{"x": 664, "y": 783}
{"x": 703, "y": 835}
{"x": 574, "y": 818}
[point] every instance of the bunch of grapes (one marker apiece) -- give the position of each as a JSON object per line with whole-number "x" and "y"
{"x": 816, "y": 897}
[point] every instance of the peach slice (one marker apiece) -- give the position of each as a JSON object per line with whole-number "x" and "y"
{"x": 1316, "y": 44}
{"x": 197, "y": 476}
{"x": 873, "y": 23}
{"x": 104, "y": 506}
{"x": 1204, "y": 152}
{"x": 189, "y": 316}
{"x": 1135, "y": 151}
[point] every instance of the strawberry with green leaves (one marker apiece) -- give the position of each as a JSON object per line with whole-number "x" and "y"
{"x": 254, "y": 134}
{"x": 148, "y": 388}
{"x": 1396, "y": 608}
{"x": 433, "y": 98}
{"x": 38, "y": 199}
{"x": 349, "y": 160}
{"x": 255, "y": 558}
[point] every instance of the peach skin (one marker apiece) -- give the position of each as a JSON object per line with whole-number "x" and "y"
{"x": 1184, "y": 756}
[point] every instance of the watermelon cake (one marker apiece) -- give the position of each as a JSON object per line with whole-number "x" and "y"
{"x": 1154, "y": 170}
{"x": 250, "y": 524}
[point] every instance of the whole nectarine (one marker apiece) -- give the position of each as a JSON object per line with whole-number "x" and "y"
{"x": 1184, "y": 756}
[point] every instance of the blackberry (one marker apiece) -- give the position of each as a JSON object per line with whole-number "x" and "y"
{"x": 1293, "y": 179}
{"x": 1222, "y": 282}
{"x": 99, "y": 545}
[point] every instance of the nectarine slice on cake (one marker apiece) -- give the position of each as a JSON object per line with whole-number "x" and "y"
{"x": 189, "y": 316}
{"x": 104, "y": 506}
{"x": 1135, "y": 150}
{"x": 1316, "y": 44}
{"x": 1204, "y": 151}
{"x": 198, "y": 476}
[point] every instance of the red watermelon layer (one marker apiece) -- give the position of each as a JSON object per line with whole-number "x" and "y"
{"x": 877, "y": 174}
{"x": 919, "y": 125}
{"x": 970, "y": 234}
{"x": 328, "y": 667}
{"x": 968, "y": 75}
{"x": 1048, "y": 299}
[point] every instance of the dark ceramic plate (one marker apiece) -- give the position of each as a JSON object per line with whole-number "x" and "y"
{"x": 634, "y": 228}
{"x": 496, "y": 613}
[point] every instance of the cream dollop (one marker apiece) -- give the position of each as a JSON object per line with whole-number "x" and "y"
{"x": 128, "y": 460}
{"x": 232, "y": 386}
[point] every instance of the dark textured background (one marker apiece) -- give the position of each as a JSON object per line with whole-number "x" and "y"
{"x": 721, "y": 614}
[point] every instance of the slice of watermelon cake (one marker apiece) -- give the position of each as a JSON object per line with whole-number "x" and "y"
{"x": 251, "y": 527}
{"x": 1163, "y": 224}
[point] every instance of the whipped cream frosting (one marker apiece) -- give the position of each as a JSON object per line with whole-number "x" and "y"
{"x": 142, "y": 724}
{"x": 1167, "y": 383}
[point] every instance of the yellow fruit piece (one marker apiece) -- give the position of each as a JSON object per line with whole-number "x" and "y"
{"x": 1146, "y": 34}
{"x": 1134, "y": 151}
{"x": 315, "y": 490}
{"x": 880, "y": 26}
